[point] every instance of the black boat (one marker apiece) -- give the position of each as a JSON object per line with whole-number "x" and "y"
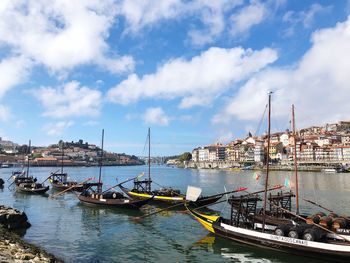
{"x": 93, "y": 194}
{"x": 28, "y": 184}
{"x": 249, "y": 225}
{"x": 59, "y": 181}
{"x": 143, "y": 188}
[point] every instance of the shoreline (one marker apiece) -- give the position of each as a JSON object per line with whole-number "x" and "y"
{"x": 13, "y": 224}
{"x": 14, "y": 249}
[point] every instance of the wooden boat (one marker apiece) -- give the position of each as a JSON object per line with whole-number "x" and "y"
{"x": 313, "y": 242}
{"x": 293, "y": 237}
{"x": 21, "y": 177}
{"x": 59, "y": 181}
{"x": 28, "y": 184}
{"x": 33, "y": 188}
{"x": 92, "y": 193}
{"x": 143, "y": 188}
{"x": 169, "y": 196}
{"x": 110, "y": 199}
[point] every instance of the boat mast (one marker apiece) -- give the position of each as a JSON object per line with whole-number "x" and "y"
{"x": 267, "y": 162}
{"x": 149, "y": 159}
{"x": 295, "y": 162}
{"x": 62, "y": 159}
{"x": 28, "y": 159}
{"x": 99, "y": 187}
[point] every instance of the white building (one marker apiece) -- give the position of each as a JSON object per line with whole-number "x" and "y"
{"x": 203, "y": 154}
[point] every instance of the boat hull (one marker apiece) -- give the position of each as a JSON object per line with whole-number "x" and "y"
{"x": 116, "y": 203}
{"x": 202, "y": 201}
{"x": 332, "y": 251}
{"x": 62, "y": 187}
{"x": 29, "y": 190}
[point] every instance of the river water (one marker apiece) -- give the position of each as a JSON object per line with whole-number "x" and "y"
{"x": 79, "y": 233}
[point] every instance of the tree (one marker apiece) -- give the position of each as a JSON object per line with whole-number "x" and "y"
{"x": 185, "y": 157}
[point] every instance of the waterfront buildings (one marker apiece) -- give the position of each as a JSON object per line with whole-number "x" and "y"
{"x": 329, "y": 144}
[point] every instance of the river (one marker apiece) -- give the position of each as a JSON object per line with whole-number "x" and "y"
{"x": 79, "y": 233}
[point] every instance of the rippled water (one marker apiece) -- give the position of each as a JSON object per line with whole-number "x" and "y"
{"x": 79, "y": 233}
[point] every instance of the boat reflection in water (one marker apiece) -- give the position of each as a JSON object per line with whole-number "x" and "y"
{"x": 236, "y": 252}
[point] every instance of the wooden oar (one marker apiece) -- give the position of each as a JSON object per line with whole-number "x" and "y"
{"x": 128, "y": 180}
{"x": 208, "y": 197}
{"x": 317, "y": 225}
{"x": 180, "y": 204}
{"x": 70, "y": 188}
{"x": 316, "y": 204}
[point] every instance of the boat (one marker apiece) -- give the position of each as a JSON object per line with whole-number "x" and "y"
{"x": 330, "y": 170}
{"x": 143, "y": 188}
{"x": 92, "y": 193}
{"x": 28, "y": 184}
{"x": 290, "y": 236}
{"x": 59, "y": 181}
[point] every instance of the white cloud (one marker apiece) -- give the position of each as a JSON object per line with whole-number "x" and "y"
{"x": 248, "y": 17}
{"x": 62, "y": 34}
{"x": 72, "y": 99}
{"x": 56, "y": 129}
{"x": 5, "y": 113}
{"x": 306, "y": 18}
{"x": 156, "y": 116}
{"x": 211, "y": 14}
{"x": 198, "y": 80}
{"x": 318, "y": 85}
{"x": 13, "y": 71}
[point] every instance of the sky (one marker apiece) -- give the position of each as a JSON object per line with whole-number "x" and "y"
{"x": 195, "y": 71}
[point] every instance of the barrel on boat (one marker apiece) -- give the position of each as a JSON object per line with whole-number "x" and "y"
{"x": 326, "y": 221}
{"x": 333, "y": 215}
{"x": 313, "y": 219}
{"x": 339, "y": 223}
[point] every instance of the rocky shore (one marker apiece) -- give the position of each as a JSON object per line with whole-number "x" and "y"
{"x": 12, "y": 247}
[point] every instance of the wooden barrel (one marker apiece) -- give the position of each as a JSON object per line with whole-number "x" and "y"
{"x": 339, "y": 223}
{"x": 313, "y": 219}
{"x": 326, "y": 221}
{"x": 320, "y": 214}
{"x": 333, "y": 215}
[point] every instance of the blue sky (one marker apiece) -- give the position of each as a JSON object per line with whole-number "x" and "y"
{"x": 196, "y": 72}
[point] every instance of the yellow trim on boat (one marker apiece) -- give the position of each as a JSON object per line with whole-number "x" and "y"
{"x": 206, "y": 220}
{"x": 157, "y": 197}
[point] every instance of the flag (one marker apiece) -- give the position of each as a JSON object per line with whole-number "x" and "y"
{"x": 140, "y": 175}
{"x": 257, "y": 176}
{"x": 286, "y": 182}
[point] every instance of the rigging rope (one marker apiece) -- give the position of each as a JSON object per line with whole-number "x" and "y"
{"x": 261, "y": 120}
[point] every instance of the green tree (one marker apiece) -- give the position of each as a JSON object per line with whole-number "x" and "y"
{"x": 185, "y": 156}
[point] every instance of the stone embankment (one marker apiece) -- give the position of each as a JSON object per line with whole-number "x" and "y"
{"x": 12, "y": 248}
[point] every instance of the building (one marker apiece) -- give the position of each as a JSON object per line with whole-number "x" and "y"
{"x": 203, "y": 154}
{"x": 276, "y": 149}
{"x": 46, "y": 161}
{"x": 259, "y": 152}
{"x": 195, "y": 155}
{"x": 216, "y": 152}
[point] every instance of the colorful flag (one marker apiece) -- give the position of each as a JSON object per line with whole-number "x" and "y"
{"x": 257, "y": 176}
{"x": 140, "y": 175}
{"x": 286, "y": 182}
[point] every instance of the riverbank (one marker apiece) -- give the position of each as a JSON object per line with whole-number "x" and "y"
{"x": 12, "y": 247}
{"x": 235, "y": 166}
